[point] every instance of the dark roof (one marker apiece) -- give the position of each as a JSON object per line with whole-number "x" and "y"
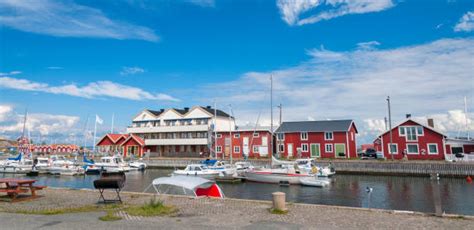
{"x": 156, "y": 113}
{"x": 219, "y": 113}
{"x": 315, "y": 126}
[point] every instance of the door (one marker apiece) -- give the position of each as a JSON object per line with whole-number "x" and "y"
{"x": 290, "y": 150}
{"x": 315, "y": 150}
{"x": 340, "y": 150}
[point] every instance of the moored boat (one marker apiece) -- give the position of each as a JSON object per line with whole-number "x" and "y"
{"x": 197, "y": 170}
{"x": 276, "y": 176}
{"x": 314, "y": 182}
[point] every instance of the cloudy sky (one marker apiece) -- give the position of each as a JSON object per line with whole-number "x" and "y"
{"x": 66, "y": 61}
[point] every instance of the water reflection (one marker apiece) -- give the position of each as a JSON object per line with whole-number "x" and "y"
{"x": 400, "y": 193}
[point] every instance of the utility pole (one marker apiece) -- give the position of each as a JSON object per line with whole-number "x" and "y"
{"x": 390, "y": 127}
{"x": 230, "y": 133}
{"x": 215, "y": 131}
{"x": 271, "y": 113}
{"x": 280, "y": 107}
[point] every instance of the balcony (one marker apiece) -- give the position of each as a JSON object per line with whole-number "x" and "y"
{"x": 193, "y": 141}
{"x": 167, "y": 129}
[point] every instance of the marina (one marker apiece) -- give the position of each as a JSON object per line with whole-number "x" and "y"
{"x": 389, "y": 192}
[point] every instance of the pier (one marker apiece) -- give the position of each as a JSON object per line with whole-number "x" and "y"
{"x": 369, "y": 167}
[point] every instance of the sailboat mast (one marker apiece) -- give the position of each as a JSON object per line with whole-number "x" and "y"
{"x": 466, "y": 117}
{"x": 215, "y": 130}
{"x": 230, "y": 133}
{"x": 24, "y": 123}
{"x": 271, "y": 114}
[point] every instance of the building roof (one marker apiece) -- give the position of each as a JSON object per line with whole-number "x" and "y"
{"x": 315, "y": 126}
{"x": 417, "y": 122}
{"x": 138, "y": 139}
{"x": 185, "y": 110}
{"x": 156, "y": 113}
{"x": 219, "y": 112}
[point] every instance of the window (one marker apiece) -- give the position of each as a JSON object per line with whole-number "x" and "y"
{"x": 219, "y": 149}
{"x": 304, "y": 136}
{"x": 328, "y": 148}
{"x": 255, "y": 148}
{"x": 401, "y": 131}
{"x": 432, "y": 148}
{"x": 280, "y": 136}
{"x": 328, "y": 136}
{"x": 352, "y": 136}
{"x": 304, "y": 147}
{"x": 281, "y": 148}
{"x": 411, "y": 133}
{"x": 219, "y": 135}
{"x": 412, "y": 148}
{"x": 236, "y": 149}
{"x": 419, "y": 130}
{"x": 256, "y": 135}
{"x": 237, "y": 135}
{"x": 393, "y": 149}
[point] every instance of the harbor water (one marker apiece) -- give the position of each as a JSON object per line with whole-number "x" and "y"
{"x": 389, "y": 192}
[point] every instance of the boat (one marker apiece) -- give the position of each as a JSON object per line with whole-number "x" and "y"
{"x": 309, "y": 165}
{"x": 197, "y": 170}
{"x": 185, "y": 185}
{"x": 137, "y": 165}
{"x": 277, "y": 176}
{"x": 225, "y": 170}
{"x": 16, "y": 165}
{"x": 243, "y": 167}
{"x": 42, "y": 164}
{"x": 65, "y": 170}
{"x": 112, "y": 164}
{"x": 314, "y": 182}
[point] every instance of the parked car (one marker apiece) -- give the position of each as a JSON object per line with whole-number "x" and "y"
{"x": 369, "y": 154}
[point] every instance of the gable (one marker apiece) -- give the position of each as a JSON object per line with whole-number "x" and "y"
{"x": 133, "y": 140}
{"x": 105, "y": 140}
{"x": 145, "y": 115}
{"x": 411, "y": 122}
{"x": 197, "y": 112}
{"x": 170, "y": 114}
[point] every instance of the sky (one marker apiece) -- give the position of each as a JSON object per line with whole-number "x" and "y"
{"x": 67, "y": 61}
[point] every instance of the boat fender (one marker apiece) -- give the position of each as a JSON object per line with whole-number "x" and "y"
{"x": 314, "y": 170}
{"x": 195, "y": 173}
{"x": 469, "y": 179}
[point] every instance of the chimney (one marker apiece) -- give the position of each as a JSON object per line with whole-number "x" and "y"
{"x": 408, "y": 116}
{"x": 162, "y": 110}
{"x": 431, "y": 122}
{"x": 209, "y": 107}
{"x": 186, "y": 109}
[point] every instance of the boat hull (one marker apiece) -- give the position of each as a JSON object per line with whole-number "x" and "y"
{"x": 276, "y": 178}
{"x": 210, "y": 176}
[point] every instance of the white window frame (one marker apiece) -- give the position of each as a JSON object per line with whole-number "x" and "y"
{"x": 352, "y": 136}
{"x": 281, "y": 148}
{"x": 428, "y": 147}
{"x": 326, "y": 136}
{"x": 282, "y": 135}
{"x": 304, "y": 136}
{"x": 396, "y": 148}
{"x": 219, "y": 149}
{"x": 326, "y": 148}
{"x": 256, "y": 135}
{"x": 422, "y": 130}
{"x": 404, "y": 131}
{"x": 303, "y": 149}
{"x": 236, "y": 149}
{"x": 219, "y": 135}
{"x": 255, "y": 148}
{"x": 417, "y": 147}
{"x": 236, "y": 135}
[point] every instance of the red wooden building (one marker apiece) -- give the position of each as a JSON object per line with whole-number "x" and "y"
{"x": 414, "y": 140}
{"x": 124, "y": 144}
{"x": 317, "y": 139}
{"x": 254, "y": 143}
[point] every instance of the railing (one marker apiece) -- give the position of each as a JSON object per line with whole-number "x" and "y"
{"x": 465, "y": 158}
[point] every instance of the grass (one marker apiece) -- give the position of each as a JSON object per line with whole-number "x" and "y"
{"x": 152, "y": 208}
{"x": 278, "y": 211}
{"x": 110, "y": 217}
{"x": 89, "y": 208}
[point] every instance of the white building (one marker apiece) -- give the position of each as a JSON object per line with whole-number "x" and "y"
{"x": 180, "y": 132}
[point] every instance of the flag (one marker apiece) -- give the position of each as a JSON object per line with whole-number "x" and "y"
{"x": 98, "y": 120}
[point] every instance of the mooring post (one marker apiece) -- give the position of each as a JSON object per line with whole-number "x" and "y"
{"x": 279, "y": 201}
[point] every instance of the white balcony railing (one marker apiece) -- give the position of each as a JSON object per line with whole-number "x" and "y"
{"x": 165, "y": 129}
{"x": 193, "y": 141}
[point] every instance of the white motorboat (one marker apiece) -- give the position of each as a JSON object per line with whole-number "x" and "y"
{"x": 197, "y": 170}
{"x": 310, "y": 166}
{"x": 137, "y": 165}
{"x": 243, "y": 167}
{"x": 42, "y": 164}
{"x": 185, "y": 185}
{"x": 226, "y": 170}
{"x": 65, "y": 170}
{"x": 277, "y": 176}
{"x": 16, "y": 165}
{"x": 315, "y": 182}
{"x": 112, "y": 164}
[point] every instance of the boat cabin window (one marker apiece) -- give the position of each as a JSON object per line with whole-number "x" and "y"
{"x": 197, "y": 168}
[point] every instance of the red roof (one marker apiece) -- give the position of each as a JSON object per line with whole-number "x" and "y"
{"x": 138, "y": 139}
{"x": 114, "y": 137}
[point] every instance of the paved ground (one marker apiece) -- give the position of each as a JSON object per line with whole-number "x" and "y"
{"x": 212, "y": 214}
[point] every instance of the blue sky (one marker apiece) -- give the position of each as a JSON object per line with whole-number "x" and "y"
{"x": 65, "y": 60}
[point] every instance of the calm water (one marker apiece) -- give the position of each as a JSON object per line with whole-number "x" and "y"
{"x": 400, "y": 193}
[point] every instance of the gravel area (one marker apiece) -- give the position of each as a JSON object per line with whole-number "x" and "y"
{"x": 207, "y": 213}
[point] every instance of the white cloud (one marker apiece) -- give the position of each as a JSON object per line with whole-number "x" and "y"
{"x": 67, "y": 19}
{"x": 422, "y": 80}
{"x": 5, "y": 111}
{"x": 131, "y": 70}
{"x": 54, "y": 68}
{"x": 91, "y": 90}
{"x": 203, "y": 3}
{"x": 10, "y": 73}
{"x": 292, "y": 10}
{"x": 368, "y": 45}
{"x": 466, "y": 23}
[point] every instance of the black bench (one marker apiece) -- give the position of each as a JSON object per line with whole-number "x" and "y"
{"x": 110, "y": 181}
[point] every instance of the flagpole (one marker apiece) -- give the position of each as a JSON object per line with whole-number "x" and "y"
{"x": 112, "y": 128}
